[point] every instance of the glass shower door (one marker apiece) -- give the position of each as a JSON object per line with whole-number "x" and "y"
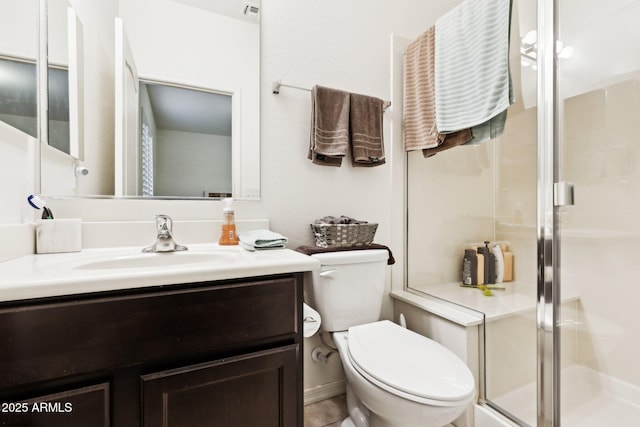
{"x": 510, "y": 354}
{"x": 561, "y": 342}
{"x": 598, "y": 114}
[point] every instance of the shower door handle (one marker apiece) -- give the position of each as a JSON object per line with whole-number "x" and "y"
{"x": 563, "y": 194}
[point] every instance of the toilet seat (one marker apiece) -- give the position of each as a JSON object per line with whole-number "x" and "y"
{"x": 409, "y": 365}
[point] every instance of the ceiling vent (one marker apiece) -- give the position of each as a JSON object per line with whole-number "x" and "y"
{"x": 251, "y": 11}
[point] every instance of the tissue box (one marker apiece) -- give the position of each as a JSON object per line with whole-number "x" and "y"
{"x": 58, "y": 235}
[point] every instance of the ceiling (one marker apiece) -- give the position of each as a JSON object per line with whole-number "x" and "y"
{"x": 231, "y": 8}
{"x": 190, "y": 110}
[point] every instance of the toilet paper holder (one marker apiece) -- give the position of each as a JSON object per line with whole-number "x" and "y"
{"x": 310, "y": 321}
{"x": 318, "y": 354}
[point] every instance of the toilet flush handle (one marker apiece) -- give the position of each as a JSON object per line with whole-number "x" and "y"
{"x": 328, "y": 273}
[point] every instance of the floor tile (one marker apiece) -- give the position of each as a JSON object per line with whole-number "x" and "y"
{"x": 326, "y": 413}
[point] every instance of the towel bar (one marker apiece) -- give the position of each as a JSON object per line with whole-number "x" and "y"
{"x": 275, "y": 88}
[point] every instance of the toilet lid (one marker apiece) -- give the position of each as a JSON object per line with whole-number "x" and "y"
{"x": 411, "y": 363}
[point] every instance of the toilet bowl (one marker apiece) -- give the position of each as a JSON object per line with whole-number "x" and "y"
{"x": 400, "y": 378}
{"x": 395, "y": 377}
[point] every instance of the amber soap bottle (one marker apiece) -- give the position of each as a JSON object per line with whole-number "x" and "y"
{"x": 228, "y": 235}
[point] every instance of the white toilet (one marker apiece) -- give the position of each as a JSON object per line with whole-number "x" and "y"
{"x": 395, "y": 377}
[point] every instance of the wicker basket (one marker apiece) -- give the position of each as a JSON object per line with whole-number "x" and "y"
{"x": 343, "y": 235}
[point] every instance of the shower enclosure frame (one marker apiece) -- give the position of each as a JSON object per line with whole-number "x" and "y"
{"x": 548, "y": 201}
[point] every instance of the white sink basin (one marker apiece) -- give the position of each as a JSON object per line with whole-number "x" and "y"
{"x": 117, "y": 268}
{"x": 159, "y": 259}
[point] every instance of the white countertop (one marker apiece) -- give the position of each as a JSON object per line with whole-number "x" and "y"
{"x": 516, "y": 298}
{"x": 97, "y": 270}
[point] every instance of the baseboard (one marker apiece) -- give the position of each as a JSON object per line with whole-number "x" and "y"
{"x": 324, "y": 391}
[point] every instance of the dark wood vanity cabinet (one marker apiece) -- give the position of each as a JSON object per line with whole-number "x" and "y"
{"x": 224, "y": 353}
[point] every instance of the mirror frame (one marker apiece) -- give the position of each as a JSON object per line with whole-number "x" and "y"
{"x": 43, "y": 93}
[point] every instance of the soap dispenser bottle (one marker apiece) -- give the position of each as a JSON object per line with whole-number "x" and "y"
{"x": 228, "y": 235}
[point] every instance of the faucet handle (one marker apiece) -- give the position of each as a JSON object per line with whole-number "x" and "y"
{"x": 164, "y": 242}
{"x": 164, "y": 224}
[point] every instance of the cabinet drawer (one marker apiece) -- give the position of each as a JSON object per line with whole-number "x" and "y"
{"x": 257, "y": 390}
{"x": 41, "y": 342}
{"x": 81, "y": 407}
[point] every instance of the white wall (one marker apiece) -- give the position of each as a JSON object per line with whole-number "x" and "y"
{"x": 17, "y": 171}
{"x": 19, "y": 18}
{"x": 16, "y": 183}
{"x": 451, "y": 202}
{"x": 178, "y": 171}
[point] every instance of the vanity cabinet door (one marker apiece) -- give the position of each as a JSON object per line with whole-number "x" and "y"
{"x": 82, "y": 407}
{"x": 254, "y": 390}
{"x": 47, "y": 341}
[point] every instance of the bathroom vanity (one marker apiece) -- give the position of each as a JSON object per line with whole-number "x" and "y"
{"x": 211, "y": 352}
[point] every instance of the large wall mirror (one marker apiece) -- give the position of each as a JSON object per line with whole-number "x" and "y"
{"x": 18, "y": 106}
{"x": 164, "y": 98}
{"x": 18, "y": 62}
{"x": 185, "y": 146}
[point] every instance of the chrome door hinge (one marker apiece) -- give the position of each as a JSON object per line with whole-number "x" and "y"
{"x": 563, "y": 194}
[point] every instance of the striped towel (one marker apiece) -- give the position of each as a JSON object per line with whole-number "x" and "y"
{"x": 367, "y": 144}
{"x": 472, "y": 64}
{"x": 329, "y": 141}
{"x": 419, "y": 109}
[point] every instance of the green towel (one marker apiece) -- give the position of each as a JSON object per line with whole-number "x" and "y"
{"x": 262, "y": 239}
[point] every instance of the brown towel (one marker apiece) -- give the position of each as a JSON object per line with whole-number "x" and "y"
{"x": 367, "y": 144}
{"x": 329, "y": 141}
{"x": 310, "y": 250}
{"x": 450, "y": 140}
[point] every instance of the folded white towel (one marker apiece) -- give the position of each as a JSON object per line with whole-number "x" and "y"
{"x": 262, "y": 239}
{"x": 472, "y": 64}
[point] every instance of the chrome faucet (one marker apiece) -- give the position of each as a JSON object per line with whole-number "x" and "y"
{"x": 164, "y": 242}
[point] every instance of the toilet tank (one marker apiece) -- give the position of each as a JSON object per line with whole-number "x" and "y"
{"x": 349, "y": 287}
